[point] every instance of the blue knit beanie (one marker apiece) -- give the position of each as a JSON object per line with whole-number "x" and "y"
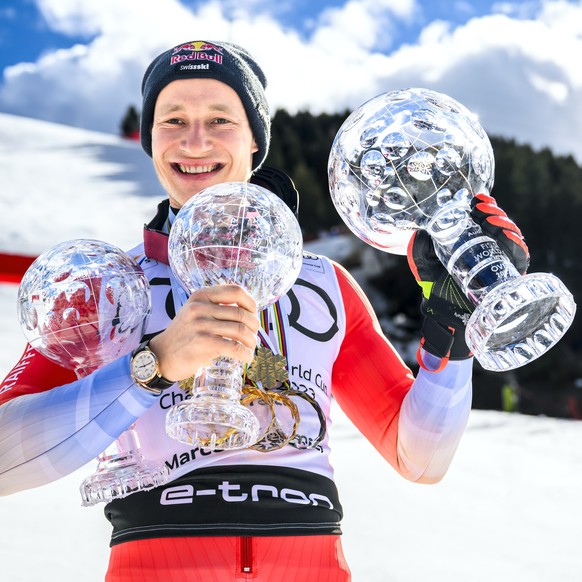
{"x": 222, "y": 61}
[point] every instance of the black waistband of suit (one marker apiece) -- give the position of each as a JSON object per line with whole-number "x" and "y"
{"x": 236, "y": 500}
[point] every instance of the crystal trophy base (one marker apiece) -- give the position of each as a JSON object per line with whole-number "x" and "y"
{"x": 212, "y": 423}
{"x": 119, "y": 476}
{"x": 519, "y": 320}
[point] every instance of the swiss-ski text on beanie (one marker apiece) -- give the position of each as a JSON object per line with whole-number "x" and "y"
{"x": 222, "y": 61}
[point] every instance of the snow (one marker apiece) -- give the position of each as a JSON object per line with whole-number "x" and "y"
{"x": 509, "y": 509}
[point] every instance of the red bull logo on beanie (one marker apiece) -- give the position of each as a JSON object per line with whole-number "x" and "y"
{"x": 197, "y": 45}
{"x": 196, "y": 51}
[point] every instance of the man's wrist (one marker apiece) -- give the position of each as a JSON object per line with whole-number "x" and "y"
{"x": 145, "y": 370}
{"x": 444, "y": 341}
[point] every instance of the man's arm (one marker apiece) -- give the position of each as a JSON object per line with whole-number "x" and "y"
{"x": 416, "y": 424}
{"x": 52, "y": 424}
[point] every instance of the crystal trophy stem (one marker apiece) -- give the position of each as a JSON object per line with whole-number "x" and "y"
{"x": 517, "y": 318}
{"x": 214, "y": 417}
{"x": 122, "y": 470}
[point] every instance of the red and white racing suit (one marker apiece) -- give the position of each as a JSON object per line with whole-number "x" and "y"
{"x": 238, "y": 514}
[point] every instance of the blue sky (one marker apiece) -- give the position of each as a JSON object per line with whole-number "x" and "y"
{"x": 515, "y": 64}
{"x": 25, "y": 33}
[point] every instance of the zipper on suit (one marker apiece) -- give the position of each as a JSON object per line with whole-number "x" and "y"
{"x": 246, "y": 555}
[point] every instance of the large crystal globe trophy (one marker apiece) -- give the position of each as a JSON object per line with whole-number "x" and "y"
{"x": 414, "y": 159}
{"x": 231, "y": 233}
{"x": 83, "y": 304}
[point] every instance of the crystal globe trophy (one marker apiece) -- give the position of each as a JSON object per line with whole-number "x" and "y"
{"x": 83, "y": 304}
{"x": 414, "y": 159}
{"x": 231, "y": 233}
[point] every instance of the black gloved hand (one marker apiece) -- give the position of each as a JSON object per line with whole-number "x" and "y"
{"x": 444, "y": 305}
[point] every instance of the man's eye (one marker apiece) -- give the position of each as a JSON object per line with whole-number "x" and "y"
{"x": 220, "y": 120}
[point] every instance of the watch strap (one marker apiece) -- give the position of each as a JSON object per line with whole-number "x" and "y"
{"x": 157, "y": 383}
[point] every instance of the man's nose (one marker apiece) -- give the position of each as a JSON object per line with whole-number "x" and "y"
{"x": 196, "y": 138}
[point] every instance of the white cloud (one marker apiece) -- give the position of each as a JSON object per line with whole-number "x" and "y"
{"x": 558, "y": 92}
{"x": 363, "y": 24}
{"x": 72, "y": 17}
{"x": 517, "y": 68}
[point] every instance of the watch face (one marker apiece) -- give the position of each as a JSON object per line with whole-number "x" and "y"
{"x": 144, "y": 366}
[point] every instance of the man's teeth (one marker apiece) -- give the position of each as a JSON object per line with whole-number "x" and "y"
{"x": 196, "y": 169}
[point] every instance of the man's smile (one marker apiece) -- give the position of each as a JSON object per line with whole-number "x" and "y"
{"x": 185, "y": 169}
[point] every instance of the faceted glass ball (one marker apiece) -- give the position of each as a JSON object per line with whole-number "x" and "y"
{"x": 83, "y": 304}
{"x": 238, "y": 233}
{"x": 400, "y": 159}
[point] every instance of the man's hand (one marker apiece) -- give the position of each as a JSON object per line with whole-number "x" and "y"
{"x": 215, "y": 321}
{"x": 444, "y": 305}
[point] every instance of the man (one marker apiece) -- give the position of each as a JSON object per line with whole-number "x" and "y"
{"x": 242, "y": 514}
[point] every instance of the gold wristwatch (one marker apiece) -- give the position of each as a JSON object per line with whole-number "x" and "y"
{"x": 145, "y": 370}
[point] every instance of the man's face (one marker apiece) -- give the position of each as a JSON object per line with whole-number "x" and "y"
{"x": 200, "y": 137}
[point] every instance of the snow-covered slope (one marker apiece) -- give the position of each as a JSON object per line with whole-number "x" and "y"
{"x": 59, "y": 182}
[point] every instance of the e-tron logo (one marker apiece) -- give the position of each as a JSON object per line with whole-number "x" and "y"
{"x": 231, "y": 493}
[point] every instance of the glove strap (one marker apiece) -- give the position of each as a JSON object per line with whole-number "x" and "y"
{"x": 443, "y": 342}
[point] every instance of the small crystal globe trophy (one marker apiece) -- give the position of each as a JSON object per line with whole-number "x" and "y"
{"x": 231, "y": 233}
{"x": 414, "y": 159}
{"x": 83, "y": 304}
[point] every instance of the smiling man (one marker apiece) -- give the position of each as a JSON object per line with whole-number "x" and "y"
{"x": 263, "y": 513}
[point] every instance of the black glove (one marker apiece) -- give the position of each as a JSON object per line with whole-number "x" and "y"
{"x": 444, "y": 305}
{"x": 278, "y": 182}
{"x": 496, "y": 224}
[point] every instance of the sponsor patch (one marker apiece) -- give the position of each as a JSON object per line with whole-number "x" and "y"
{"x": 196, "y": 51}
{"x": 312, "y": 262}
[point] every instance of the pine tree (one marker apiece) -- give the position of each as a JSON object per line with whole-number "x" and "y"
{"x": 130, "y": 123}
